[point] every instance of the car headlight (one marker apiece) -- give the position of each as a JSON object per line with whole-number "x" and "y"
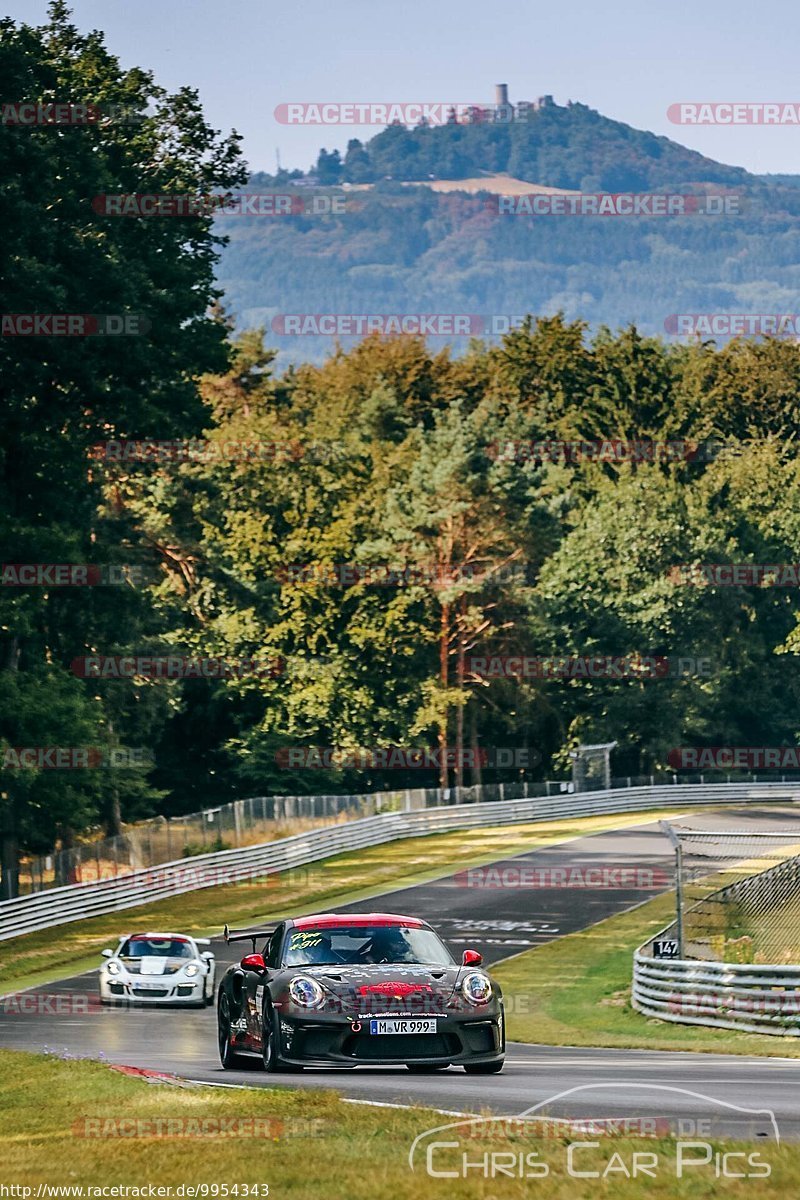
{"x": 477, "y": 988}
{"x": 306, "y": 992}
{"x": 113, "y": 967}
{"x": 192, "y": 969}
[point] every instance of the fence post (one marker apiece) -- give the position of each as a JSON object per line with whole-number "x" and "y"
{"x": 676, "y": 843}
{"x": 679, "y": 895}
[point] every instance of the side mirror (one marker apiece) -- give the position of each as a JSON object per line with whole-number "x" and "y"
{"x": 253, "y": 962}
{"x": 471, "y": 958}
{"x": 207, "y": 955}
{"x": 106, "y": 953}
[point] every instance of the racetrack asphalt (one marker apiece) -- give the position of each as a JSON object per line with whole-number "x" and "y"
{"x": 498, "y": 921}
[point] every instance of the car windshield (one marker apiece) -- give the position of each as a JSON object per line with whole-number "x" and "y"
{"x": 156, "y": 948}
{"x": 354, "y": 946}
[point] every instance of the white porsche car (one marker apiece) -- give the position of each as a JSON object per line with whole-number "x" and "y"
{"x": 161, "y": 968}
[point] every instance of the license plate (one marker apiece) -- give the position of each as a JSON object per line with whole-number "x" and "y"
{"x": 411, "y": 1026}
{"x": 150, "y": 986}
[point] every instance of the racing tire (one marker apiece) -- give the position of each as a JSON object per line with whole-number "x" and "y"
{"x": 492, "y": 1068}
{"x": 270, "y": 1058}
{"x": 227, "y": 1055}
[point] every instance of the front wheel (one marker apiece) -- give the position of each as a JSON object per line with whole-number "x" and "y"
{"x": 270, "y": 1042}
{"x": 492, "y": 1068}
{"x": 227, "y": 1055}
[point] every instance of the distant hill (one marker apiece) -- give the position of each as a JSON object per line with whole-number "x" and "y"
{"x": 563, "y": 146}
{"x": 400, "y": 246}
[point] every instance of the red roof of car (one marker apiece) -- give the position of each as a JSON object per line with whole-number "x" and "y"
{"x": 357, "y": 920}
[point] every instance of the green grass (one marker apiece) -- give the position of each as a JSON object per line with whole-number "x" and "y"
{"x": 576, "y": 992}
{"x": 309, "y": 1144}
{"x": 41, "y": 957}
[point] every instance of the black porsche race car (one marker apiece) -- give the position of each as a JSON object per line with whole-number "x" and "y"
{"x": 349, "y": 990}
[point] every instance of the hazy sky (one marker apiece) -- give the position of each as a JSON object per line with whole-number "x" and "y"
{"x": 630, "y": 59}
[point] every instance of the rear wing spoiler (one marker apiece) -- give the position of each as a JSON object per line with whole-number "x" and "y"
{"x": 247, "y": 935}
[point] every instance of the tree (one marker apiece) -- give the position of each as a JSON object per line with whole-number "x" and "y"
{"x": 62, "y": 254}
{"x": 329, "y": 167}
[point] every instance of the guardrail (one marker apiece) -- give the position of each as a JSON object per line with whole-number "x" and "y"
{"x": 58, "y": 906}
{"x": 254, "y": 820}
{"x": 754, "y": 997}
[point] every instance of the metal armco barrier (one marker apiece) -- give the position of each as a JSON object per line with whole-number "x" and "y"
{"x": 755, "y": 997}
{"x": 58, "y": 906}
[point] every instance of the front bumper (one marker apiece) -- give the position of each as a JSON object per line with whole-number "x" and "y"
{"x": 315, "y": 1040}
{"x": 165, "y": 989}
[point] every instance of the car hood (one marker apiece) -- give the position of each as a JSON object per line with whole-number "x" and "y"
{"x": 152, "y": 964}
{"x": 387, "y": 987}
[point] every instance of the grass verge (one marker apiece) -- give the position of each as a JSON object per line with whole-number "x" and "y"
{"x": 577, "y": 992}
{"x": 82, "y": 1125}
{"x": 41, "y": 957}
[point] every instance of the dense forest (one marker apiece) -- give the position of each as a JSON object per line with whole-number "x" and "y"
{"x": 368, "y": 528}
